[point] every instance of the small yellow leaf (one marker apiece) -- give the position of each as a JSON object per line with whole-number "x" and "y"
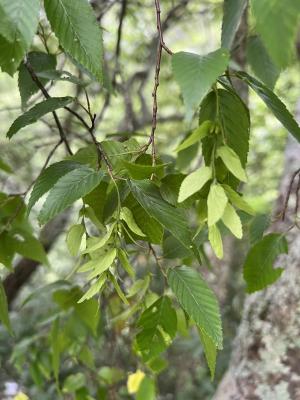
{"x": 134, "y": 381}
{"x": 21, "y": 396}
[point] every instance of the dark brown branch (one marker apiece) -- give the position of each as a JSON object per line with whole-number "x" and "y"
{"x": 25, "y": 268}
{"x": 47, "y": 96}
{"x": 119, "y": 39}
{"x": 289, "y": 192}
{"x": 160, "y": 46}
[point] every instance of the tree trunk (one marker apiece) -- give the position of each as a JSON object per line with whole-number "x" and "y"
{"x": 265, "y": 360}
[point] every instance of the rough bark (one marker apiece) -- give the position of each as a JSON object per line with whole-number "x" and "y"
{"x": 265, "y": 361}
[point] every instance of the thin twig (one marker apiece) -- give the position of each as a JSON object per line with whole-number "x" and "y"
{"x": 160, "y": 46}
{"x": 47, "y": 96}
{"x": 119, "y": 39}
{"x": 290, "y": 187}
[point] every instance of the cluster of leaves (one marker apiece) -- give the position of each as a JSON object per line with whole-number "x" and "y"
{"x": 133, "y": 203}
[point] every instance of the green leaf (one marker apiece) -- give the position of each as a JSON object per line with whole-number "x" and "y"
{"x": 88, "y": 313}
{"x": 125, "y": 263}
{"x": 38, "y": 111}
{"x": 261, "y": 63}
{"x": 4, "y": 316}
{"x": 233, "y": 12}
{"x": 210, "y": 351}
{"x": 67, "y": 190}
{"x": 277, "y": 24}
{"x": 102, "y": 242}
{"x": 232, "y": 221}
{"x": 39, "y": 62}
{"x": 19, "y": 20}
{"x": 5, "y": 167}
{"x": 232, "y": 162}
{"x": 48, "y": 178}
{"x": 96, "y": 199}
{"x": 234, "y": 119}
{"x": 103, "y": 264}
{"x": 215, "y": 239}
{"x": 78, "y": 32}
{"x": 258, "y": 268}
{"x": 273, "y": 103}
{"x": 194, "y": 182}
{"x": 31, "y": 248}
{"x": 74, "y": 238}
{"x": 141, "y": 171}
{"x": 118, "y": 289}
{"x": 151, "y": 227}
{"x": 94, "y": 289}
{"x": 158, "y": 325}
{"x": 195, "y": 137}
{"x": 174, "y": 220}
{"x": 196, "y": 74}
{"x": 216, "y": 203}
{"x": 198, "y": 300}
{"x": 74, "y": 382}
{"x": 127, "y": 216}
{"x": 146, "y": 390}
{"x": 237, "y": 200}
{"x": 258, "y": 226}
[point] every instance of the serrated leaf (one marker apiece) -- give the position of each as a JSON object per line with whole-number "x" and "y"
{"x": 4, "y": 316}
{"x": 48, "y": 178}
{"x": 233, "y": 12}
{"x": 277, "y": 107}
{"x": 258, "y": 226}
{"x": 235, "y": 120}
{"x": 19, "y": 20}
{"x": 198, "y": 300}
{"x": 232, "y": 221}
{"x": 74, "y": 238}
{"x": 196, "y": 74}
{"x": 215, "y": 239}
{"x": 194, "y": 182}
{"x": 40, "y": 62}
{"x": 127, "y": 216}
{"x": 277, "y": 24}
{"x": 155, "y": 323}
{"x": 71, "y": 187}
{"x": 237, "y": 200}
{"x": 38, "y": 111}
{"x": 78, "y": 32}
{"x": 258, "y": 268}
{"x": 151, "y": 227}
{"x": 173, "y": 219}
{"x": 216, "y": 203}
{"x": 262, "y": 65}
{"x": 232, "y": 162}
{"x": 210, "y": 351}
{"x": 198, "y": 134}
